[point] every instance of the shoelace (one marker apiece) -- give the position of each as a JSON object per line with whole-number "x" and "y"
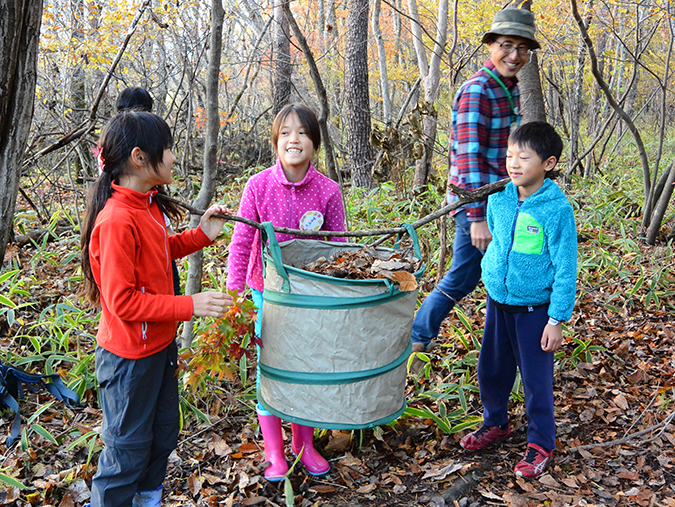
{"x": 531, "y": 455}
{"x": 481, "y": 432}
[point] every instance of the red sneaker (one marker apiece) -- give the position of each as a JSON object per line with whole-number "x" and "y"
{"x": 483, "y": 437}
{"x": 535, "y": 461}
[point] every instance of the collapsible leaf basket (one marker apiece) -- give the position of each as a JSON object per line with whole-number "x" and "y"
{"x": 335, "y": 350}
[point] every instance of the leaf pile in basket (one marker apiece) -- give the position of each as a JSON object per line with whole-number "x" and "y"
{"x": 366, "y": 264}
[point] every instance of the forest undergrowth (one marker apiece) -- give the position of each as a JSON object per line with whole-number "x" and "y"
{"x": 614, "y": 385}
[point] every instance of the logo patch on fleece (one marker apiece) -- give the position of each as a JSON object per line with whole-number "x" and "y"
{"x": 529, "y": 235}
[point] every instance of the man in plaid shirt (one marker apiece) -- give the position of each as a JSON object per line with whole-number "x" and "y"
{"x": 485, "y": 109}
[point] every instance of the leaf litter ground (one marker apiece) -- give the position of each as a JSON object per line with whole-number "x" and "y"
{"x": 612, "y": 407}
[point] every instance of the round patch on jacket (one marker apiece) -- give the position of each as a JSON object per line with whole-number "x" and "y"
{"x": 311, "y": 221}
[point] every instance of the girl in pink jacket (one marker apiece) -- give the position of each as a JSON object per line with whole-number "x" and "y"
{"x": 290, "y": 194}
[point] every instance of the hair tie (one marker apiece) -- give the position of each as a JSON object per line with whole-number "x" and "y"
{"x": 98, "y": 153}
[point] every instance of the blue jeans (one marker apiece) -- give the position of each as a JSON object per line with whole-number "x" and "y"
{"x": 461, "y": 280}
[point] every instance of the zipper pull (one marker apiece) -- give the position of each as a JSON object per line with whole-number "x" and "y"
{"x": 144, "y": 328}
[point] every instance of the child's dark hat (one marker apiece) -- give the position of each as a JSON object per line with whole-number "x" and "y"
{"x": 513, "y": 21}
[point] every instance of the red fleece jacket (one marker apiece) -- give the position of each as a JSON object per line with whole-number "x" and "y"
{"x": 131, "y": 253}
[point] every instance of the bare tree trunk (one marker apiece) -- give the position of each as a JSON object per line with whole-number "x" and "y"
{"x": 95, "y": 7}
{"x": 577, "y": 93}
{"x": 321, "y": 21}
{"x": 158, "y": 52}
{"x": 83, "y": 162}
{"x": 330, "y": 28}
{"x": 531, "y": 94}
{"x": 595, "y": 109}
{"x": 396, "y": 19}
{"x": 654, "y": 223}
{"x": 661, "y": 206}
{"x": 430, "y": 73}
{"x": 357, "y": 100}
{"x": 19, "y": 33}
{"x": 529, "y": 83}
{"x": 382, "y": 63}
{"x": 321, "y": 92}
{"x": 208, "y": 188}
{"x": 282, "y": 58}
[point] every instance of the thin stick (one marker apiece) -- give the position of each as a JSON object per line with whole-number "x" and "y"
{"x": 630, "y": 437}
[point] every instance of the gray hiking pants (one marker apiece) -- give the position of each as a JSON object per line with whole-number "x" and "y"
{"x": 139, "y": 399}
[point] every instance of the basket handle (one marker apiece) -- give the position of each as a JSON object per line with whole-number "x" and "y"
{"x": 275, "y": 252}
{"x": 413, "y": 236}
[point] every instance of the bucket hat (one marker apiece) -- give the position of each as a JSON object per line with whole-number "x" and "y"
{"x": 513, "y": 21}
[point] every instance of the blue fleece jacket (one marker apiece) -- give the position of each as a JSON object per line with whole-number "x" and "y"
{"x": 532, "y": 258}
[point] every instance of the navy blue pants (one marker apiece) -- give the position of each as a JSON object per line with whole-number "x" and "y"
{"x": 461, "y": 280}
{"x": 514, "y": 340}
{"x": 141, "y": 422}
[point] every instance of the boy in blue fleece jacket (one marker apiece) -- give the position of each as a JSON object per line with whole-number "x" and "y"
{"x": 529, "y": 271}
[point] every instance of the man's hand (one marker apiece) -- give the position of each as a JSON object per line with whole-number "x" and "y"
{"x": 480, "y": 234}
{"x": 551, "y": 340}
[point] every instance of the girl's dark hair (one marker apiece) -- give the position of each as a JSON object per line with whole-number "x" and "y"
{"x": 134, "y": 98}
{"x": 307, "y": 119}
{"x": 123, "y": 133}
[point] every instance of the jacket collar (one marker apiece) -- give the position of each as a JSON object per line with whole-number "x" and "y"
{"x": 280, "y": 175}
{"x": 132, "y": 197}
{"x": 546, "y": 192}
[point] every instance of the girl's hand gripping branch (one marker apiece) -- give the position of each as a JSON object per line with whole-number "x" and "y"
{"x": 210, "y": 304}
{"x": 212, "y": 226}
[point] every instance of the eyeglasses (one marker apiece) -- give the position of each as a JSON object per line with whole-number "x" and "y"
{"x": 509, "y": 48}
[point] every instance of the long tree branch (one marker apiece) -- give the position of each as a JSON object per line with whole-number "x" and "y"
{"x": 465, "y": 197}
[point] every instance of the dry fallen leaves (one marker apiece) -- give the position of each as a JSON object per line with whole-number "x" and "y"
{"x": 368, "y": 263}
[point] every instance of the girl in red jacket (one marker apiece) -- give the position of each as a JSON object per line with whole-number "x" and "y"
{"x": 126, "y": 261}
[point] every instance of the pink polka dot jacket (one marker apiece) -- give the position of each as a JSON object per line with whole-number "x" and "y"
{"x": 270, "y": 197}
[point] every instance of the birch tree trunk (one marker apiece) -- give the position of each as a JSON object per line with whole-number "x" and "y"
{"x": 83, "y": 162}
{"x": 357, "y": 100}
{"x": 281, "y": 58}
{"x": 382, "y": 63}
{"x": 19, "y": 33}
{"x": 577, "y": 93}
{"x": 208, "y": 188}
{"x": 430, "y": 73}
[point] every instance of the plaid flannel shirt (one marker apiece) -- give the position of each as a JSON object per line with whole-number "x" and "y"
{"x": 481, "y": 123}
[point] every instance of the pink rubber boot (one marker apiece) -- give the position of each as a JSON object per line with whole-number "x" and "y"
{"x": 270, "y": 426}
{"x": 303, "y": 438}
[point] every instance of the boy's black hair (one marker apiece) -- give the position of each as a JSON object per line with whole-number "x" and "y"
{"x": 541, "y": 138}
{"x": 135, "y": 98}
{"x": 307, "y": 119}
